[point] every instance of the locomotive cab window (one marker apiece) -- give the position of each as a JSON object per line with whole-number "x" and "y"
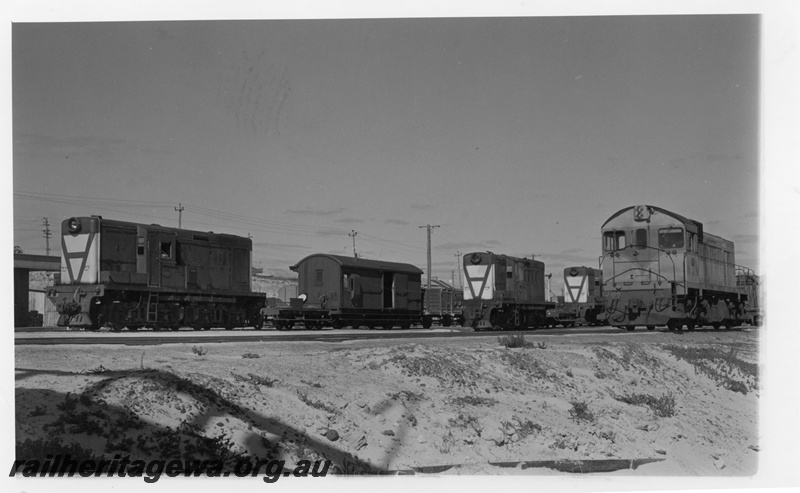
{"x": 613, "y": 240}
{"x": 166, "y": 250}
{"x": 670, "y": 238}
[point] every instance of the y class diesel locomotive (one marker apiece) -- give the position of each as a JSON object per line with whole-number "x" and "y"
{"x": 582, "y": 299}
{"x": 661, "y": 268}
{"x": 123, "y": 274}
{"x": 503, "y": 292}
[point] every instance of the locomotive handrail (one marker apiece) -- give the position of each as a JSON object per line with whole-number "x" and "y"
{"x": 657, "y": 274}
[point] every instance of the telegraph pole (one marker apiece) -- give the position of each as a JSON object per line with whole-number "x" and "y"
{"x": 353, "y": 235}
{"x": 458, "y": 268}
{"x": 429, "y": 228}
{"x": 46, "y": 232}
{"x": 180, "y": 210}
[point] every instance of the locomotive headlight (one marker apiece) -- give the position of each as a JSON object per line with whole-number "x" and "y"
{"x": 475, "y": 258}
{"x": 74, "y": 225}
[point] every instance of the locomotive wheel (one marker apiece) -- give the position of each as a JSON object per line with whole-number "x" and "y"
{"x": 651, "y": 327}
{"x": 690, "y": 325}
{"x": 630, "y": 328}
{"x": 337, "y": 325}
{"x": 716, "y": 325}
{"x": 258, "y": 322}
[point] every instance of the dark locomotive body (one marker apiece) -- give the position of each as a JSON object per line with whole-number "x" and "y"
{"x": 503, "y": 292}
{"x": 582, "y": 301}
{"x": 660, "y": 268}
{"x": 341, "y": 291}
{"x": 124, "y": 274}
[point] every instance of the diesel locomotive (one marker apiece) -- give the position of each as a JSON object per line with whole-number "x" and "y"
{"x": 661, "y": 268}
{"x": 123, "y": 274}
{"x": 582, "y": 299}
{"x": 503, "y": 292}
{"x": 339, "y": 291}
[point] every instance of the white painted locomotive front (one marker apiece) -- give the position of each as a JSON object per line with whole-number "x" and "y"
{"x": 80, "y": 258}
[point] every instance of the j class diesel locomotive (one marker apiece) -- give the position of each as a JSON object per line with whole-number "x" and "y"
{"x": 582, "y": 300}
{"x": 661, "y": 268}
{"x": 122, "y": 274}
{"x": 338, "y": 291}
{"x": 503, "y": 292}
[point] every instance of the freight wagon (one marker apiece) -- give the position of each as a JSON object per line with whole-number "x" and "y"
{"x": 341, "y": 291}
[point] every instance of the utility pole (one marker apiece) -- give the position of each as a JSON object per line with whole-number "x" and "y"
{"x": 46, "y": 232}
{"x": 180, "y": 210}
{"x": 353, "y": 235}
{"x": 458, "y": 268}
{"x": 429, "y": 228}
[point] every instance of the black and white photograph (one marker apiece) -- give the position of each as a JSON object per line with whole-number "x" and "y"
{"x": 470, "y": 243}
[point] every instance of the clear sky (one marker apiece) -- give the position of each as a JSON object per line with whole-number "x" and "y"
{"x": 516, "y": 135}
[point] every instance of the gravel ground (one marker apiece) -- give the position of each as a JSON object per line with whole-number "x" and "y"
{"x": 674, "y": 404}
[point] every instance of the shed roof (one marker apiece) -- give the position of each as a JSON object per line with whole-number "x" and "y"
{"x": 362, "y": 263}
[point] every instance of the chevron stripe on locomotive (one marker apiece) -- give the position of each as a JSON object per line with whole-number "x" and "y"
{"x": 122, "y": 274}
{"x": 660, "y": 268}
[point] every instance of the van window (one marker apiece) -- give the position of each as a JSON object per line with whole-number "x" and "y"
{"x": 670, "y": 238}
{"x": 318, "y": 277}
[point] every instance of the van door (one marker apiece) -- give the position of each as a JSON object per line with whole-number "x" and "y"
{"x": 401, "y": 291}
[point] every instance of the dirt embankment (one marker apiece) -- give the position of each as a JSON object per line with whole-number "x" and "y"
{"x": 672, "y": 404}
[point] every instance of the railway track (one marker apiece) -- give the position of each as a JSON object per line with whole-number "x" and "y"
{"x": 149, "y": 338}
